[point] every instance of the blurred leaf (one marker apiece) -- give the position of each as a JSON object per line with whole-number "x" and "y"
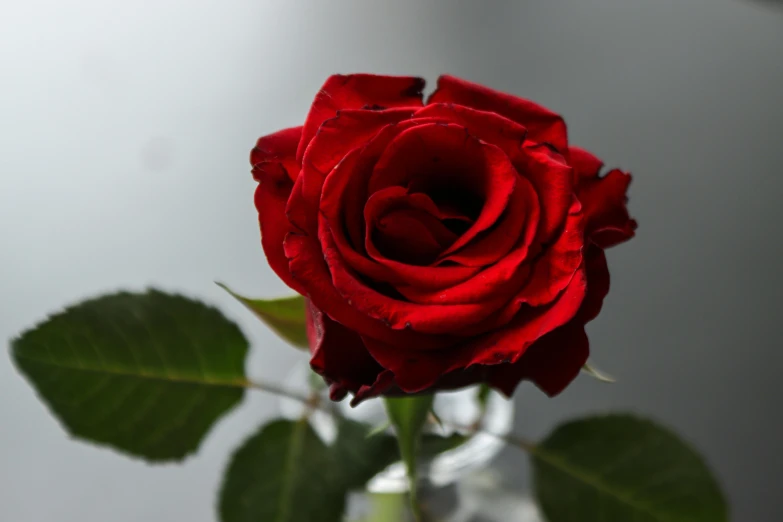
{"x": 146, "y": 373}
{"x": 360, "y": 458}
{"x": 284, "y": 473}
{"x": 620, "y": 467}
{"x": 285, "y": 316}
{"x": 597, "y": 374}
{"x": 408, "y": 415}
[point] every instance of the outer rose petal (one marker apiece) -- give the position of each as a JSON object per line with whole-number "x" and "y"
{"x": 597, "y": 283}
{"x": 543, "y": 125}
{"x": 337, "y": 136}
{"x": 278, "y": 148}
{"x": 273, "y": 162}
{"x": 489, "y": 126}
{"x": 553, "y": 181}
{"x": 584, "y": 163}
{"x": 354, "y": 92}
{"x": 555, "y": 360}
{"x": 418, "y": 370}
{"x": 551, "y": 272}
{"x": 603, "y": 200}
{"x": 551, "y": 363}
{"x": 339, "y": 355}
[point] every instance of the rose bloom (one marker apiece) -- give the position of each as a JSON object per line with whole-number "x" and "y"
{"x": 438, "y": 244}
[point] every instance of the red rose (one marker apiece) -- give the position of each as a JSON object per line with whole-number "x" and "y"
{"x": 439, "y": 244}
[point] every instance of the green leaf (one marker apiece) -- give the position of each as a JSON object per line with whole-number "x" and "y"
{"x": 145, "y": 373}
{"x": 408, "y": 416}
{"x": 286, "y": 316}
{"x": 285, "y": 473}
{"x": 620, "y": 467}
{"x": 360, "y": 458}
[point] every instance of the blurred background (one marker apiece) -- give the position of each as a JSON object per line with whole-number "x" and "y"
{"x": 126, "y": 128}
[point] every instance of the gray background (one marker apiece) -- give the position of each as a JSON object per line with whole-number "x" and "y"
{"x": 125, "y": 133}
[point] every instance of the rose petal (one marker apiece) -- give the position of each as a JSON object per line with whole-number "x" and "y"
{"x": 436, "y": 157}
{"x": 584, "y": 163}
{"x": 396, "y": 313}
{"x": 270, "y": 157}
{"x": 403, "y": 227}
{"x": 341, "y": 203}
{"x": 488, "y": 126}
{"x": 542, "y": 124}
{"x": 355, "y": 91}
{"x": 597, "y": 283}
{"x": 551, "y": 363}
{"x": 278, "y": 148}
{"x": 552, "y": 179}
{"x": 547, "y": 170}
{"x": 307, "y": 265}
{"x": 504, "y": 276}
{"x": 350, "y": 129}
{"x": 606, "y": 217}
{"x": 516, "y": 228}
{"x": 418, "y": 370}
{"x": 338, "y": 354}
{"x": 382, "y": 384}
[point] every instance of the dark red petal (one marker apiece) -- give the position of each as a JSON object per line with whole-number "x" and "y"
{"x": 339, "y": 355}
{"x": 584, "y": 163}
{"x": 278, "y": 148}
{"x": 485, "y": 125}
{"x": 383, "y": 382}
{"x": 397, "y": 314}
{"x": 341, "y": 205}
{"x": 542, "y": 124}
{"x": 597, "y": 283}
{"x": 553, "y": 181}
{"x": 416, "y": 370}
{"x": 555, "y": 360}
{"x": 516, "y": 228}
{"x": 500, "y": 279}
{"x": 404, "y": 227}
{"x": 603, "y": 201}
{"x": 435, "y": 156}
{"x": 349, "y": 130}
{"x": 509, "y": 343}
{"x": 551, "y": 363}
{"x": 308, "y": 267}
{"x": 558, "y": 263}
{"x": 541, "y": 281}
{"x": 355, "y": 91}
{"x": 271, "y": 196}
